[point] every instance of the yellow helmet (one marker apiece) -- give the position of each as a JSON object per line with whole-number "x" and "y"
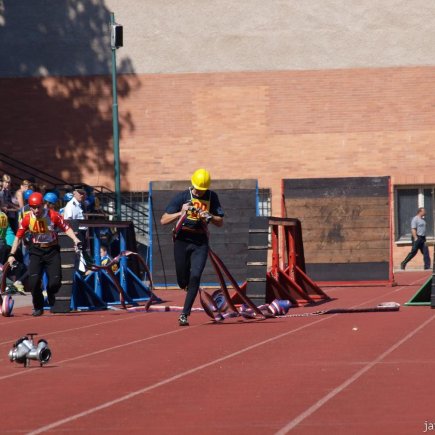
{"x": 201, "y": 179}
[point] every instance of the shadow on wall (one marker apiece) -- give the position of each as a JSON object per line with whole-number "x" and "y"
{"x": 56, "y": 87}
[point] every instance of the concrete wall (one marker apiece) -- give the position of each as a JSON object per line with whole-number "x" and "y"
{"x": 71, "y": 37}
{"x": 258, "y": 35}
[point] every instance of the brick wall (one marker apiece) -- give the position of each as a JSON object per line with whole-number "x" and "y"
{"x": 265, "y": 125}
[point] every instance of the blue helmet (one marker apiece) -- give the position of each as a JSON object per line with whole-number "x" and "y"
{"x": 26, "y": 194}
{"x": 50, "y": 197}
{"x": 90, "y": 201}
{"x": 68, "y": 196}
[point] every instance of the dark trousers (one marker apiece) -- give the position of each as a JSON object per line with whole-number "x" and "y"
{"x": 4, "y": 251}
{"x": 419, "y": 245}
{"x": 41, "y": 259}
{"x": 190, "y": 259}
{"x": 19, "y": 270}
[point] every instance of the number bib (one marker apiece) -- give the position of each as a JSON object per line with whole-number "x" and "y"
{"x": 42, "y": 229}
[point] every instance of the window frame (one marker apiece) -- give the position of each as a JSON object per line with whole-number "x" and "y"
{"x": 401, "y": 240}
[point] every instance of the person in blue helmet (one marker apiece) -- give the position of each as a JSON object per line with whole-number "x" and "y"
{"x": 66, "y": 198}
{"x": 50, "y": 200}
{"x": 191, "y": 211}
{"x": 25, "y": 209}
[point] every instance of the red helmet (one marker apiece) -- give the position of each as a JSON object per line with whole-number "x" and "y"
{"x": 35, "y": 199}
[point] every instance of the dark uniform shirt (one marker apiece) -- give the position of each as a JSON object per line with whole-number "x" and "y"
{"x": 208, "y": 202}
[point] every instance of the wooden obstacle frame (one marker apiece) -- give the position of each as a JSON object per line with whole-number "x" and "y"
{"x": 100, "y": 288}
{"x": 287, "y": 278}
{"x": 347, "y": 227}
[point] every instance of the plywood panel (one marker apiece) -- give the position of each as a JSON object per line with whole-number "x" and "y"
{"x": 344, "y": 220}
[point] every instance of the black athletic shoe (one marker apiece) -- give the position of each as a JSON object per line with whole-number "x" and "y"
{"x": 37, "y": 313}
{"x": 183, "y": 321}
{"x": 402, "y": 266}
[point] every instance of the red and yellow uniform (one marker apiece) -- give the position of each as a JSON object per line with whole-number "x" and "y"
{"x": 42, "y": 229}
{"x": 44, "y": 250}
{"x": 44, "y": 254}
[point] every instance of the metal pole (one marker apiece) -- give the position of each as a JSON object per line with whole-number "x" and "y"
{"x": 115, "y": 130}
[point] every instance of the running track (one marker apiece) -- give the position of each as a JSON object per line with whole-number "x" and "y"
{"x": 115, "y": 372}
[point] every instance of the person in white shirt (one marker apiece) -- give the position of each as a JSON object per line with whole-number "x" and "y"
{"x": 74, "y": 208}
{"x": 74, "y": 211}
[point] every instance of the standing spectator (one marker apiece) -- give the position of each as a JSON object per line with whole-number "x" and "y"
{"x": 66, "y": 199}
{"x": 42, "y": 188}
{"x": 90, "y": 204}
{"x": 18, "y": 273}
{"x": 50, "y": 200}
{"x": 4, "y": 247}
{"x": 25, "y": 208}
{"x": 74, "y": 208}
{"x": 7, "y": 202}
{"x": 418, "y": 230}
{"x": 26, "y": 239}
{"x": 74, "y": 211}
{"x": 5, "y": 193}
{"x": 192, "y": 209}
{"x": 19, "y": 194}
{"x": 44, "y": 250}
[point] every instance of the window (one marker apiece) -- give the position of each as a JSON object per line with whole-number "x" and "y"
{"x": 408, "y": 200}
{"x": 264, "y": 202}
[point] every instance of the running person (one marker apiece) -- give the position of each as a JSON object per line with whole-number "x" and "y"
{"x": 44, "y": 249}
{"x": 193, "y": 209}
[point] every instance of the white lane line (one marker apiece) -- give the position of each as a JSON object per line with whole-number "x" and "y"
{"x": 77, "y": 328}
{"x": 131, "y": 315}
{"x": 135, "y": 341}
{"x": 168, "y": 380}
{"x": 312, "y": 409}
{"x": 106, "y": 349}
{"x": 178, "y": 376}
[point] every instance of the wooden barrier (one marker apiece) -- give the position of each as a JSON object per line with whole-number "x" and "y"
{"x": 347, "y": 228}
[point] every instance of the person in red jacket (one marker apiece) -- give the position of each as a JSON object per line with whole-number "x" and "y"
{"x": 44, "y": 249}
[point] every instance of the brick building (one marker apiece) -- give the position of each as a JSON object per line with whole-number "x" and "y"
{"x": 255, "y": 90}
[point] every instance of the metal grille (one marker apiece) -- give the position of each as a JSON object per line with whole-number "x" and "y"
{"x": 264, "y": 202}
{"x": 134, "y": 208}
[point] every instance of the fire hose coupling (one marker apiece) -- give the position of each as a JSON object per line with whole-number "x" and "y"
{"x": 24, "y": 350}
{"x": 207, "y": 216}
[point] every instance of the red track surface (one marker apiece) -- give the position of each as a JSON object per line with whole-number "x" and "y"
{"x": 118, "y": 372}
